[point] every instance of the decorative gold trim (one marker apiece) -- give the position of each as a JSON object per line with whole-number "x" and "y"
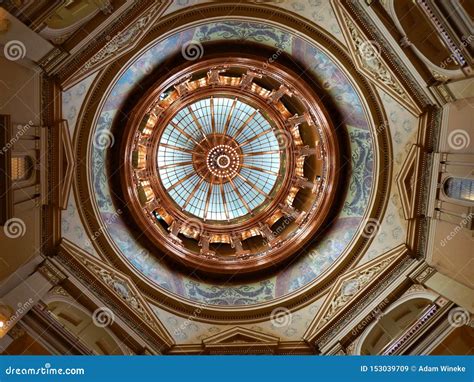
{"x": 52, "y": 273}
{"x": 423, "y": 273}
{"x": 369, "y": 60}
{"x": 122, "y": 42}
{"x": 59, "y": 291}
{"x": 66, "y": 70}
{"x": 283, "y": 348}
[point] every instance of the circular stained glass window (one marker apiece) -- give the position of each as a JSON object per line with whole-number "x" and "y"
{"x": 219, "y": 158}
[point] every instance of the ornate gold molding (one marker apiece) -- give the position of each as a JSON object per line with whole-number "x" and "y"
{"x": 122, "y": 42}
{"x": 368, "y": 58}
{"x": 59, "y": 291}
{"x": 51, "y": 272}
{"x": 283, "y": 348}
{"x": 52, "y": 59}
{"x": 423, "y": 273}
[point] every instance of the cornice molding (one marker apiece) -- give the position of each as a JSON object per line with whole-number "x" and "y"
{"x": 51, "y": 113}
{"x": 120, "y": 43}
{"x": 422, "y": 273}
{"x": 240, "y": 340}
{"x": 54, "y": 57}
{"x": 51, "y": 272}
{"x": 283, "y": 348}
{"x": 359, "y": 15}
{"x": 128, "y": 29}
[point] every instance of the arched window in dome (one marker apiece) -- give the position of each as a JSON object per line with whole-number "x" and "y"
{"x": 460, "y": 189}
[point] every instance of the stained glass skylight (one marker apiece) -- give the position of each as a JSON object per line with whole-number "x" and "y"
{"x": 218, "y": 158}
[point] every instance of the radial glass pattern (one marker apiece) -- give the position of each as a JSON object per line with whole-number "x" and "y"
{"x": 218, "y": 158}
